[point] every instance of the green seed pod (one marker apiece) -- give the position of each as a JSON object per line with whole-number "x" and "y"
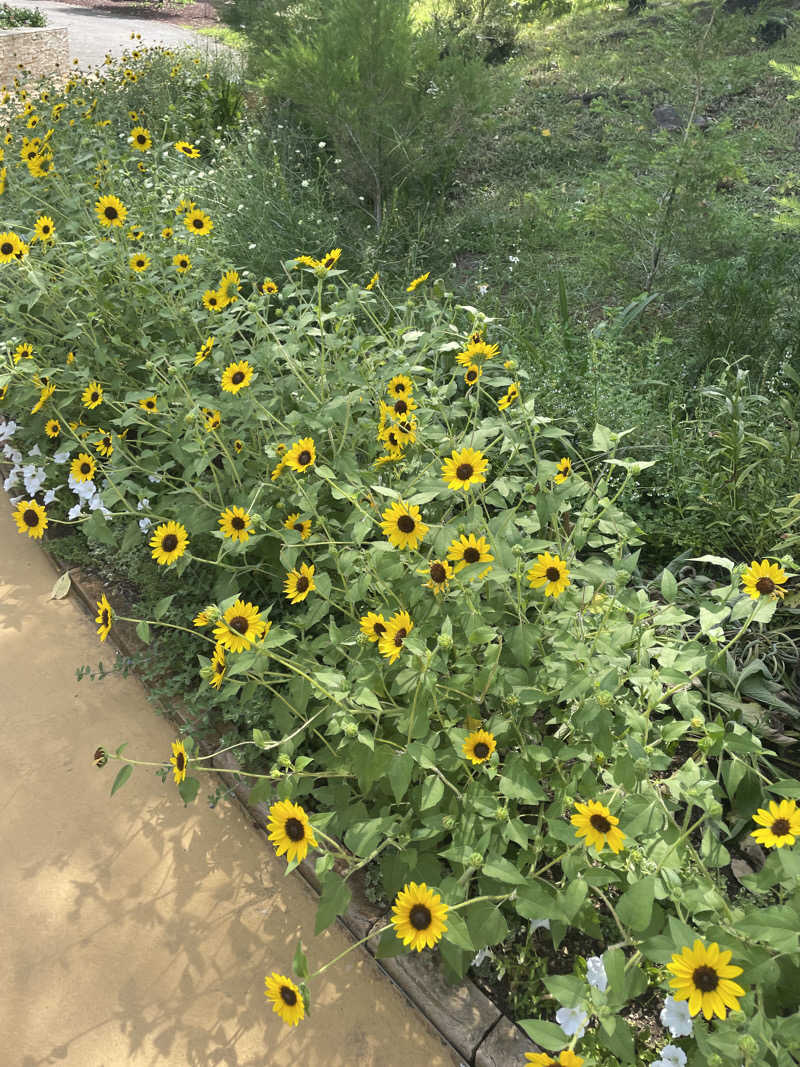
{"x": 350, "y": 729}
{"x": 448, "y": 822}
{"x": 476, "y": 860}
{"x": 284, "y": 760}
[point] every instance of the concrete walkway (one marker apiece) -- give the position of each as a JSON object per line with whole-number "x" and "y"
{"x": 136, "y": 932}
{"x": 93, "y": 33}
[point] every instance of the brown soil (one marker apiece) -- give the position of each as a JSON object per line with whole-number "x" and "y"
{"x": 198, "y": 15}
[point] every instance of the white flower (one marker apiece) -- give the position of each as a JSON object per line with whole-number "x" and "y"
{"x": 513, "y": 259}
{"x": 96, "y": 504}
{"x": 75, "y": 511}
{"x": 62, "y": 456}
{"x": 35, "y": 451}
{"x": 671, "y": 1056}
{"x": 49, "y": 497}
{"x": 83, "y": 490}
{"x": 483, "y": 290}
{"x": 675, "y": 1016}
{"x": 12, "y": 454}
{"x": 143, "y": 503}
{"x": 305, "y": 183}
{"x": 572, "y": 1021}
{"x": 144, "y": 525}
{"x": 34, "y": 478}
{"x": 596, "y": 973}
{"x": 15, "y": 499}
{"x": 154, "y": 478}
{"x": 321, "y": 144}
{"x": 538, "y": 924}
{"x": 12, "y": 479}
{"x": 7, "y": 430}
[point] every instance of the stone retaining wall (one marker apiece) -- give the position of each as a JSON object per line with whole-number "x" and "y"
{"x": 39, "y": 50}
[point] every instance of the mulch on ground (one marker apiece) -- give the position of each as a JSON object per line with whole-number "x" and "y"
{"x": 198, "y": 15}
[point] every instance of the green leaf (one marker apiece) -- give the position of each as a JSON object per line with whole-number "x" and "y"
{"x": 143, "y": 631}
{"x": 669, "y": 586}
{"x": 188, "y": 789}
{"x": 457, "y": 932}
{"x": 123, "y": 774}
{"x": 718, "y": 561}
{"x": 520, "y": 782}
{"x": 502, "y": 870}
{"x": 389, "y": 945}
{"x": 486, "y": 924}
{"x": 399, "y": 774}
{"x": 572, "y": 899}
{"x": 432, "y": 791}
{"x": 548, "y": 1035}
{"x": 334, "y": 900}
{"x": 162, "y": 606}
{"x": 635, "y": 906}
{"x": 61, "y": 588}
{"x": 300, "y": 963}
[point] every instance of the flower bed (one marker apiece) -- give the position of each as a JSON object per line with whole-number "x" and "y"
{"x": 413, "y": 601}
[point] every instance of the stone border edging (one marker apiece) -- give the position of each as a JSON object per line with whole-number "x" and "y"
{"x": 463, "y": 1015}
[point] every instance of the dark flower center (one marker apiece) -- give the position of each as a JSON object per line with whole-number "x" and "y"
{"x": 401, "y": 407}
{"x": 106, "y": 442}
{"x": 94, "y": 396}
{"x": 378, "y": 628}
{"x": 184, "y": 263}
{"x": 197, "y": 223}
{"x": 294, "y": 829}
{"x": 150, "y": 403}
{"x": 705, "y": 979}
{"x": 472, "y": 375}
{"x": 110, "y": 212}
{"x": 600, "y": 823}
{"x": 304, "y": 457}
{"x": 400, "y": 637}
{"x": 302, "y": 584}
{"x": 238, "y": 377}
{"x": 481, "y": 750}
{"x": 219, "y": 667}
{"x": 180, "y": 761}
{"x": 400, "y": 387}
{"x": 288, "y": 996}
{"x": 329, "y": 262}
{"x": 104, "y": 616}
{"x": 140, "y": 137}
{"x": 86, "y": 468}
{"x": 406, "y": 524}
{"x": 780, "y": 827}
{"x": 420, "y": 917}
{"x": 391, "y": 437}
{"x": 212, "y": 300}
{"x": 30, "y": 517}
{"x": 765, "y": 585}
{"x": 238, "y": 523}
{"x": 298, "y": 526}
{"x": 438, "y": 573}
{"x": 6, "y": 248}
{"x": 552, "y": 574}
{"x": 471, "y": 555}
{"x": 240, "y": 624}
{"x": 170, "y": 542}
{"x": 45, "y": 228}
{"x": 464, "y": 471}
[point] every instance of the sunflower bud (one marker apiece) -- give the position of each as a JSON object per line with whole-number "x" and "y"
{"x": 715, "y": 1060}
{"x": 284, "y": 760}
{"x": 350, "y": 729}
{"x": 501, "y": 813}
{"x": 362, "y": 639}
{"x": 517, "y": 551}
{"x": 641, "y": 766}
{"x": 448, "y": 822}
{"x": 748, "y": 1046}
{"x": 604, "y": 698}
{"x": 599, "y": 758}
{"x": 100, "y": 757}
{"x": 510, "y": 364}
{"x": 476, "y": 860}
{"x": 444, "y": 641}
{"x": 275, "y": 773}
{"x": 697, "y": 721}
{"x": 511, "y": 701}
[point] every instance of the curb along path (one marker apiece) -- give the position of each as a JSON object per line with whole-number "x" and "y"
{"x": 136, "y": 931}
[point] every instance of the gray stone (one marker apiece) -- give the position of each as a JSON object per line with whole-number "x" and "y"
{"x": 504, "y": 1046}
{"x": 667, "y": 118}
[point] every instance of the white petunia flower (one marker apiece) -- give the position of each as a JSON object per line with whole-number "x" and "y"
{"x": 49, "y": 496}
{"x": 62, "y": 456}
{"x": 675, "y": 1016}
{"x": 35, "y": 451}
{"x": 572, "y": 1021}
{"x": 671, "y": 1056}
{"x": 144, "y": 525}
{"x": 154, "y": 478}
{"x": 13, "y": 478}
{"x": 7, "y": 430}
{"x": 143, "y": 503}
{"x": 12, "y": 455}
{"x": 596, "y": 973}
{"x": 34, "y": 478}
{"x": 538, "y": 924}
{"x": 75, "y": 511}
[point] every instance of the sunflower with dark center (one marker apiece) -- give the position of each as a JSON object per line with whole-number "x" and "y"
{"x": 218, "y": 667}
{"x": 290, "y": 831}
{"x": 44, "y": 229}
{"x": 149, "y": 403}
{"x": 464, "y": 469}
{"x": 236, "y": 524}
{"x": 103, "y": 618}
{"x": 512, "y": 394}
{"x": 390, "y": 643}
{"x": 110, "y": 211}
{"x": 169, "y": 542}
{"x": 301, "y": 455}
{"x": 439, "y": 572}
{"x": 764, "y": 579}
{"x": 391, "y": 439}
{"x": 400, "y": 387}
{"x": 10, "y": 244}
{"x": 92, "y": 395}
{"x": 268, "y": 287}
{"x": 329, "y": 261}
{"x": 596, "y": 823}
{"x": 236, "y": 376}
{"x": 187, "y": 149}
{"x": 550, "y": 572}
{"x": 479, "y": 746}
{"x": 403, "y": 406}
{"x": 703, "y": 977}
{"x": 141, "y": 139}
{"x": 44, "y": 396}
{"x": 213, "y": 419}
{"x": 179, "y": 761}
{"x": 779, "y": 826}
{"x": 31, "y": 518}
{"x": 564, "y": 470}
{"x": 419, "y": 916}
{"x": 240, "y": 627}
{"x": 476, "y": 352}
{"x": 301, "y": 526}
{"x": 82, "y": 468}
{"x": 212, "y": 301}
{"x": 467, "y": 550}
{"x": 204, "y": 350}
{"x": 52, "y": 427}
{"x": 135, "y": 234}
{"x": 472, "y": 374}
{"x": 238, "y": 446}
{"x": 566, "y": 1058}
{"x": 105, "y": 446}
{"x": 373, "y": 626}
{"x": 23, "y": 351}
{"x": 181, "y": 262}
{"x": 167, "y": 232}
{"x": 299, "y": 583}
{"x": 287, "y": 1001}
{"x": 403, "y": 525}
{"x": 197, "y": 222}
{"x": 139, "y": 262}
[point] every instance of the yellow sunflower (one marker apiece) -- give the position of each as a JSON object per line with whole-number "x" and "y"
{"x": 464, "y": 469}
{"x": 23, "y": 351}
{"x": 372, "y": 626}
{"x": 139, "y": 262}
{"x": 149, "y": 403}
{"x": 218, "y": 667}
{"x": 110, "y": 211}
{"x": 373, "y": 281}
{"x": 83, "y": 467}
{"x": 390, "y": 643}
{"x": 419, "y": 916}
{"x": 779, "y": 826}
{"x": 565, "y": 1059}
{"x": 104, "y": 617}
{"x": 31, "y": 518}
{"x": 236, "y": 524}
{"x": 418, "y": 281}
{"x": 439, "y": 573}
{"x": 105, "y": 445}
{"x": 402, "y": 407}
{"x": 550, "y": 572}
{"x": 229, "y": 286}
{"x": 187, "y": 149}
{"x": 92, "y": 395}
{"x": 213, "y": 419}
{"x": 240, "y": 627}
{"x": 479, "y": 746}
{"x": 403, "y": 525}
{"x": 44, "y": 228}
{"x": 44, "y": 396}
{"x": 298, "y": 584}
{"x": 236, "y": 376}
{"x": 212, "y": 301}
{"x": 181, "y": 262}
{"x": 764, "y": 579}
{"x": 703, "y": 977}
{"x": 564, "y": 470}
{"x": 167, "y": 232}
{"x": 512, "y": 394}
{"x": 331, "y": 258}
{"x": 202, "y": 618}
{"x": 476, "y": 351}
{"x": 197, "y": 222}
{"x": 10, "y": 246}
{"x": 301, "y": 455}
{"x": 52, "y": 427}
{"x": 204, "y": 350}
{"x": 140, "y": 139}
{"x": 467, "y": 550}
{"x": 169, "y": 542}
{"x": 472, "y": 374}
{"x": 178, "y": 761}
{"x": 400, "y": 387}
{"x": 287, "y": 1001}
{"x": 596, "y": 823}
{"x": 290, "y": 830}
{"x": 268, "y": 287}
{"x": 302, "y": 526}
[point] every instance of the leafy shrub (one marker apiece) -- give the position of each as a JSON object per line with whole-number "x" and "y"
{"x": 12, "y": 17}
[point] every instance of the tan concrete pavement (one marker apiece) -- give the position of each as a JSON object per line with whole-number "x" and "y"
{"x": 135, "y": 932}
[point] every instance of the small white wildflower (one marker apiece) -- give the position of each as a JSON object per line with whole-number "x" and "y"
{"x": 671, "y": 1056}
{"x": 337, "y": 161}
{"x": 144, "y": 525}
{"x": 305, "y": 183}
{"x": 13, "y": 478}
{"x": 154, "y": 478}
{"x": 675, "y": 1016}
{"x": 483, "y": 290}
{"x": 143, "y": 503}
{"x": 572, "y": 1021}
{"x": 321, "y": 144}
{"x": 35, "y": 451}
{"x": 75, "y": 511}
{"x": 7, "y": 430}
{"x": 513, "y": 259}
{"x": 596, "y": 973}
{"x": 49, "y": 497}
{"x": 62, "y": 456}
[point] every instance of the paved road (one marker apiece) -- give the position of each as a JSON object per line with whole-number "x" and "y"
{"x": 93, "y": 33}
{"x": 136, "y": 932}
